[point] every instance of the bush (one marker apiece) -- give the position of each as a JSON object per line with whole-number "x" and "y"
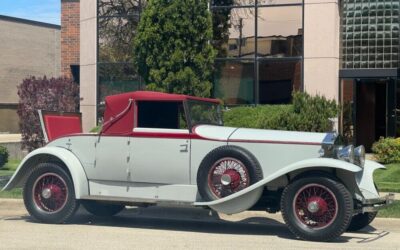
{"x": 3, "y": 156}
{"x": 387, "y": 150}
{"x": 54, "y": 94}
{"x": 306, "y": 113}
{"x": 262, "y": 116}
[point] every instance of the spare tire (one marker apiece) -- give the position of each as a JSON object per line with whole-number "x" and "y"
{"x": 227, "y": 170}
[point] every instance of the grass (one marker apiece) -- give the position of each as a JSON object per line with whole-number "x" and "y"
{"x": 16, "y": 193}
{"x": 388, "y": 180}
{"x": 9, "y": 168}
{"x": 392, "y": 211}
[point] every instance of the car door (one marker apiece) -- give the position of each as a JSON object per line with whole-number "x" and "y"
{"x": 112, "y": 160}
{"x": 160, "y": 156}
{"x": 160, "y": 145}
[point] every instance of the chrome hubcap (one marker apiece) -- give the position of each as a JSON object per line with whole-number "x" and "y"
{"x": 46, "y": 193}
{"x": 313, "y": 207}
{"x": 226, "y": 179}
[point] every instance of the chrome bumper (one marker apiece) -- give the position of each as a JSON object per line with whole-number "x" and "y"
{"x": 373, "y": 205}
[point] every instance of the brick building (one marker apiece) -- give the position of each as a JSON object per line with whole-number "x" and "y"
{"x": 70, "y": 38}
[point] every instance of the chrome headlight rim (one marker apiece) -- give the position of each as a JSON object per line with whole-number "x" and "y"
{"x": 359, "y": 155}
{"x": 346, "y": 153}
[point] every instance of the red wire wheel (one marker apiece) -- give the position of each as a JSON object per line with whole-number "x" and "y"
{"x": 315, "y": 206}
{"x": 50, "y": 192}
{"x": 227, "y": 176}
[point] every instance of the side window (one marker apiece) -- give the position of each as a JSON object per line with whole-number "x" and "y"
{"x": 168, "y": 115}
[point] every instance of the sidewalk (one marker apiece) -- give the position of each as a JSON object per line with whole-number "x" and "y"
{"x": 7, "y": 138}
{"x": 396, "y": 195}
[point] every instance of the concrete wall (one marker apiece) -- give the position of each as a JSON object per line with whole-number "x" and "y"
{"x": 26, "y": 49}
{"x": 321, "y": 47}
{"x": 88, "y": 58}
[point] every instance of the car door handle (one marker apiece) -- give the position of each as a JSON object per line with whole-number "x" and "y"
{"x": 184, "y": 148}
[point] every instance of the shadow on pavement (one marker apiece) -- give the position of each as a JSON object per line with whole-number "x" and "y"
{"x": 202, "y": 221}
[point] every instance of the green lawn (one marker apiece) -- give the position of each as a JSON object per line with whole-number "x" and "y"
{"x": 388, "y": 180}
{"x": 16, "y": 193}
{"x": 9, "y": 168}
{"x": 392, "y": 211}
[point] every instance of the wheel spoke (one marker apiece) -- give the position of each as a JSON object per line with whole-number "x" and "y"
{"x": 234, "y": 171}
{"x": 315, "y": 206}
{"x": 50, "y": 192}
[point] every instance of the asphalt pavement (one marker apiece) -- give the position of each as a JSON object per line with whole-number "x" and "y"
{"x": 176, "y": 228}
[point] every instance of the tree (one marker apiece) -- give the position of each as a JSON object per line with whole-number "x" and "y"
{"x": 54, "y": 94}
{"x": 172, "y": 48}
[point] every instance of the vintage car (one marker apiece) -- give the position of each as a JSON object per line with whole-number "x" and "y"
{"x": 169, "y": 149}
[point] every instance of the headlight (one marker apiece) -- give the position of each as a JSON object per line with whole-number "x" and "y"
{"x": 346, "y": 153}
{"x": 359, "y": 156}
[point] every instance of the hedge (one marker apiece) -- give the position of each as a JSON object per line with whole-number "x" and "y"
{"x": 306, "y": 113}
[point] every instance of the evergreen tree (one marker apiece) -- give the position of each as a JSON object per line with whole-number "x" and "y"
{"x": 172, "y": 48}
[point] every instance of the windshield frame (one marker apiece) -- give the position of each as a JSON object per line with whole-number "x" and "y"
{"x": 190, "y": 121}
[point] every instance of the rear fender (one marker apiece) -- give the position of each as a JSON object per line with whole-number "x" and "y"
{"x": 40, "y": 155}
{"x": 247, "y": 197}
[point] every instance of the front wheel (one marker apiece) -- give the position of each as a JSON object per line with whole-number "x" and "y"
{"x": 49, "y": 194}
{"x": 317, "y": 208}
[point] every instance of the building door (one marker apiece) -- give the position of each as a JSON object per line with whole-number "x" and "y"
{"x": 376, "y": 110}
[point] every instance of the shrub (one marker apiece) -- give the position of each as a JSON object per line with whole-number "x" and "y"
{"x": 387, "y": 150}
{"x": 306, "y": 113}
{"x": 3, "y": 156}
{"x": 54, "y": 94}
{"x": 262, "y": 116}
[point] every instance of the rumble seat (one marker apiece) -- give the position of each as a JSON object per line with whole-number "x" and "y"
{"x": 56, "y": 124}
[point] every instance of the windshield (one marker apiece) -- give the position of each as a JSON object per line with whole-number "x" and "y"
{"x": 204, "y": 113}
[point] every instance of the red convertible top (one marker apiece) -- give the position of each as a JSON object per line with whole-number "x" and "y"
{"x": 119, "y": 112}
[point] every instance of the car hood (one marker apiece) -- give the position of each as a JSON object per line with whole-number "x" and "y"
{"x": 232, "y": 134}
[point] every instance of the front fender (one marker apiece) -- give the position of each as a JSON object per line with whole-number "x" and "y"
{"x": 67, "y": 157}
{"x": 365, "y": 179}
{"x": 247, "y": 197}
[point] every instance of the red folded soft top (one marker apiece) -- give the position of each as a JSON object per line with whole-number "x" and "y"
{"x": 120, "y": 107}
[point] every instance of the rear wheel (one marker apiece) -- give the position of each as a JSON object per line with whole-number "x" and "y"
{"x": 49, "y": 194}
{"x": 101, "y": 209}
{"x": 317, "y": 208}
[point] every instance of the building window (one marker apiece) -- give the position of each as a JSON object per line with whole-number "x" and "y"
{"x": 116, "y": 23}
{"x": 234, "y": 81}
{"x": 277, "y": 81}
{"x": 259, "y": 50}
{"x": 278, "y": 35}
{"x": 234, "y": 28}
